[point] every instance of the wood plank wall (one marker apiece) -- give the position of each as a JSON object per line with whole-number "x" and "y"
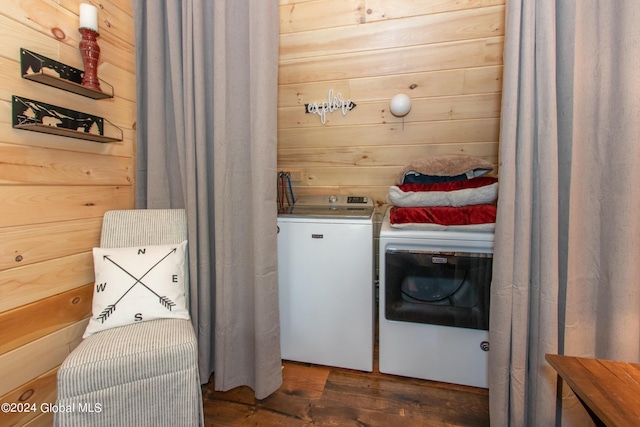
{"x": 53, "y": 193}
{"x": 445, "y": 54}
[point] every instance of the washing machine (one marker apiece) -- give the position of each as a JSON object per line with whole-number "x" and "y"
{"x": 434, "y": 303}
{"x": 326, "y": 281}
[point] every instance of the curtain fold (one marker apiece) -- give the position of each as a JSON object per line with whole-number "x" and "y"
{"x": 245, "y": 167}
{"x": 206, "y": 129}
{"x": 567, "y": 232}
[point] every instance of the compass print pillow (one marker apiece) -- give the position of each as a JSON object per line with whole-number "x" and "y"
{"x": 137, "y": 284}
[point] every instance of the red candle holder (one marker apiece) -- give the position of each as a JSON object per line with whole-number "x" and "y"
{"x": 90, "y": 52}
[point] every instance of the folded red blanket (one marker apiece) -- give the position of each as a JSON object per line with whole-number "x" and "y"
{"x": 480, "y": 181}
{"x": 443, "y": 215}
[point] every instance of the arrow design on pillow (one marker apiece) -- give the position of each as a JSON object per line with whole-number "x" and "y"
{"x": 163, "y": 300}
{"x": 167, "y": 303}
{"x": 106, "y": 313}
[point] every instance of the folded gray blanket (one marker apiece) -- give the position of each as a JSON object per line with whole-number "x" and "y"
{"x": 464, "y": 197}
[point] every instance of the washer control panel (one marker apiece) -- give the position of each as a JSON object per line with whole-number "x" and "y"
{"x": 357, "y": 199}
{"x": 331, "y": 205}
{"x": 332, "y": 200}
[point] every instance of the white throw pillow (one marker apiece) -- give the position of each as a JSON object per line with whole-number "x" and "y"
{"x": 137, "y": 284}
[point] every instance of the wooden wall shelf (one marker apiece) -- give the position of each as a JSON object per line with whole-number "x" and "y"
{"x": 36, "y": 127}
{"x": 46, "y": 118}
{"x": 53, "y": 73}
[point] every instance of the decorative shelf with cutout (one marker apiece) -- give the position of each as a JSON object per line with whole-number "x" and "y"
{"x": 37, "y": 116}
{"x": 53, "y": 73}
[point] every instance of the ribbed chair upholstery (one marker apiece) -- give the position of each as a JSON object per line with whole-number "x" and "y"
{"x": 145, "y": 374}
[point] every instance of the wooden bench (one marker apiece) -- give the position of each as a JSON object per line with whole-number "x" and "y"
{"x": 610, "y": 391}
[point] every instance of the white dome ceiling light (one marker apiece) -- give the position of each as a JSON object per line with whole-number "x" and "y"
{"x": 400, "y": 105}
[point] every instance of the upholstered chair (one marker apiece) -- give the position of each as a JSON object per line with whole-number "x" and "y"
{"x": 140, "y": 374}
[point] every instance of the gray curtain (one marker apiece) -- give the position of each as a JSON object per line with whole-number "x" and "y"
{"x": 567, "y": 248}
{"x": 206, "y": 141}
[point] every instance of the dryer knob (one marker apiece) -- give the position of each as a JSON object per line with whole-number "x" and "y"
{"x": 333, "y": 199}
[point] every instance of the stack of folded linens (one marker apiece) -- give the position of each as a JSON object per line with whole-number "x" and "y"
{"x": 445, "y": 192}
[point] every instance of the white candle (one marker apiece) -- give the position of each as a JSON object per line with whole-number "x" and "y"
{"x": 89, "y": 16}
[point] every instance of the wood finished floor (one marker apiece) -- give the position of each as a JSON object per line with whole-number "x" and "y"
{"x": 313, "y": 395}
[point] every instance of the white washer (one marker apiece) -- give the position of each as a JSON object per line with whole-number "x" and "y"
{"x": 435, "y": 340}
{"x": 326, "y": 281}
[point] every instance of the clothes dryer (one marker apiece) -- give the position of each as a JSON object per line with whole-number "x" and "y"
{"x": 434, "y": 303}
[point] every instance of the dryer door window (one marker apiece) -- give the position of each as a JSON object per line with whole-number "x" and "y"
{"x": 450, "y": 289}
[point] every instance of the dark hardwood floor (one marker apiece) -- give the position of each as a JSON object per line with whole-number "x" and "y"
{"x": 313, "y": 395}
